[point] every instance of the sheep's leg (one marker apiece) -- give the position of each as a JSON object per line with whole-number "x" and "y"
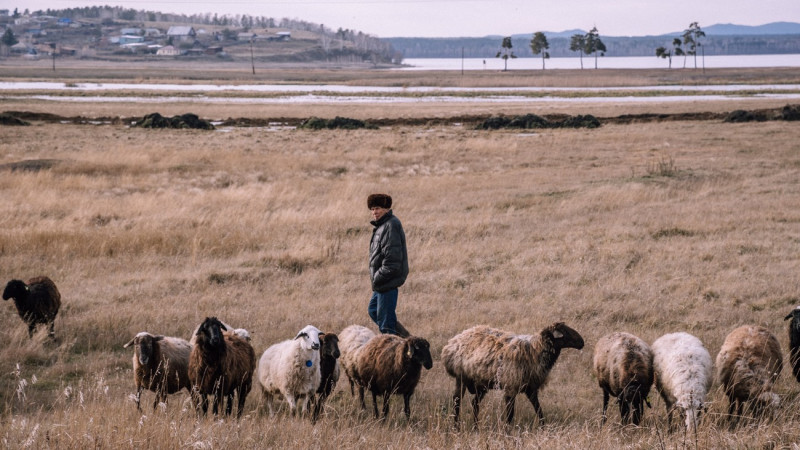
{"x": 476, "y": 400}
{"x": 457, "y": 396}
{"x": 386, "y": 397}
{"x": 317, "y": 402}
{"x": 375, "y": 403}
{"x": 242, "y": 396}
{"x": 510, "y": 402}
{"x": 138, "y": 397}
{"x": 606, "y": 397}
{"x": 292, "y": 404}
{"x": 533, "y": 396}
{"x": 407, "y": 405}
{"x": 31, "y": 329}
{"x": 361, "y": 397}
{"x": 229, "y": 406}
{"x": 352, "y": 386}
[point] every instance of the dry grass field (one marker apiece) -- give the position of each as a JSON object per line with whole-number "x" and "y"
{"x": 648, "y": 228}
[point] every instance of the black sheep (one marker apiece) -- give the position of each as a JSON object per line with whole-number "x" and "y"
{"x": 794, "y": 341}
{"x": 328, "y": 369}
{"x": 37, "y": 302}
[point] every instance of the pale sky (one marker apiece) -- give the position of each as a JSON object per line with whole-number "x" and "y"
{"x": 473, "y": 18}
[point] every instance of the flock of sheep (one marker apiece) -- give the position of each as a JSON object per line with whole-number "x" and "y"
{"x": 220, "y": 362}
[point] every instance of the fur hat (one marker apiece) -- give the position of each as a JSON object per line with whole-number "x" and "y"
{"x": 380, "y": 200}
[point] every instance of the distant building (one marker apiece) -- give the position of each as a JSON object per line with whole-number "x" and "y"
{"x": 152, "y": 32}
{"x": 131, "y": 31}
{"x": 184, "y": 34}
{"x": 246, "y": 37}
{"x": 168, "y": 51}
{"x": 130, "y": 39}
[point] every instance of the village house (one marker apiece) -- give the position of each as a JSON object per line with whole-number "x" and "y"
{"x": 182, "y": 33}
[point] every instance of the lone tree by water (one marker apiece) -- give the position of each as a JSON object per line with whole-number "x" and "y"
{"x": 593, "y": 44}
{"x": 662, "y": 52}
{"x": 539, "y": 45}
{"x": 506, "y": 52}
{"x": 691, "y": 39}
{"x": 577, "y": 43}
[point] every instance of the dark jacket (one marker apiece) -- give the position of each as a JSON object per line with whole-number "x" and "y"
{"x": 388, "y": 259}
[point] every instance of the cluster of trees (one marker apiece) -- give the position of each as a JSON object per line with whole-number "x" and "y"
{"x": 691, "y": 40}
{"x": 589, "y": 44}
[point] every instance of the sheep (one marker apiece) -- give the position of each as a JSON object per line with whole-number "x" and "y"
{"x": 290, "y": 369}
{"x": 328, "y": 369}
{"x": 483, "y": 358}
{"x": 623, "y": 365}
{"x": 683, "y": 375}
{"x": 794, "y": 341}
{"x": 351, "y": 341}
{"x": 220, "y": 364}
{"x": 748, "y": 364}
{"x": 389, "y": 364}
{"x": 160, "y": 364}
{"x": 37, "y": 302}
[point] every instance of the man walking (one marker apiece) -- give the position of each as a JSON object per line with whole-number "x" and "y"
{"x": 388, "y": 264}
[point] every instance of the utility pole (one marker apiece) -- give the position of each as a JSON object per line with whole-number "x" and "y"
{"x": 53, "y": 52}
{"x": 252, "y": 61}
{"x": 462, "y": 62}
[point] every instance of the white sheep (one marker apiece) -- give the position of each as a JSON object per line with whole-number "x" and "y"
{"x": 160, "y": 364}
{"x": 623, "y": 365}
{"x": 683, "y": 375}
{"x": 483, "y": 358}
{"x": 290, "y": 369}
{"x": 351, "y": 340}
{"x": 748, "y": 364}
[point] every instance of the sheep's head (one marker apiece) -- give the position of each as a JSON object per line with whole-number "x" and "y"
{"x": 793, "y": 325}
{"x": 631, "y": 403}
{"x": 309, "y": 337}
{"x": 143, "y": 346}
{"x": 16, "y": 289}
{"x": 690, "y": 412}
{"x": 330, "y": 345}
{"x": 210, "y": 331}
{"x": 564, "y": 336}
{"x": 419, "y": 350}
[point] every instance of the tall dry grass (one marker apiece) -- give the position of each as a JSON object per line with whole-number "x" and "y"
{"x": 648, "y": 228}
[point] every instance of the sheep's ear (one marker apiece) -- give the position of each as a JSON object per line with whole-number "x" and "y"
{"x": 557, "y": 334}
{"x": 301, "y": 334}
{"x": 789, "y": 316}
{"x": 158, "y": 338}
{"x": 129, "y": 343}
{"x": 321, "y": 333}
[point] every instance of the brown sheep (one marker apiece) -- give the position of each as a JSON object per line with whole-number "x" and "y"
{"x": 351, "y": 340}
{"x": 748, "y": 364}
{"x": 389, "y": 364}
{"x": 160, "y": 364}
{"x": 483, "y": 358}
{"x": 220, "y": 364}
{"x": 623, "y": 365}
{"x": 37, "y": 302}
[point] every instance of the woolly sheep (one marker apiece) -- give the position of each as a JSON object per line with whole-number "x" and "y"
{"x": 328, "y": 369}
{"x": 351, "y": 340}
{"x": 37, "y": 302}
{"x": 291, "y": 369}
{"x": 794, "y": 341}
{"x": 220, "y": 364}
{"x": 389, "y": 364}
{"x": 160, "y": 364}
{"x": 483, "y": 358}
{"x": 623, "y": 365}
{"x": 683, "y": 375}
{"x": 748, "y": 364}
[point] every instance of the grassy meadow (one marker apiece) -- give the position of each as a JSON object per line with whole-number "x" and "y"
{"x": 648, "y": 228}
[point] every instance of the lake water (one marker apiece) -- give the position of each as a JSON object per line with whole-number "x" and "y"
{"x": 603, "y": 62}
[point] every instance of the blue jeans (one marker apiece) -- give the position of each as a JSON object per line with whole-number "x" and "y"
{"x": 381, "y": 310}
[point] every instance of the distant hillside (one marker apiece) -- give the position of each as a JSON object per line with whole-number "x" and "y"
{"x": 721, "y": 39}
